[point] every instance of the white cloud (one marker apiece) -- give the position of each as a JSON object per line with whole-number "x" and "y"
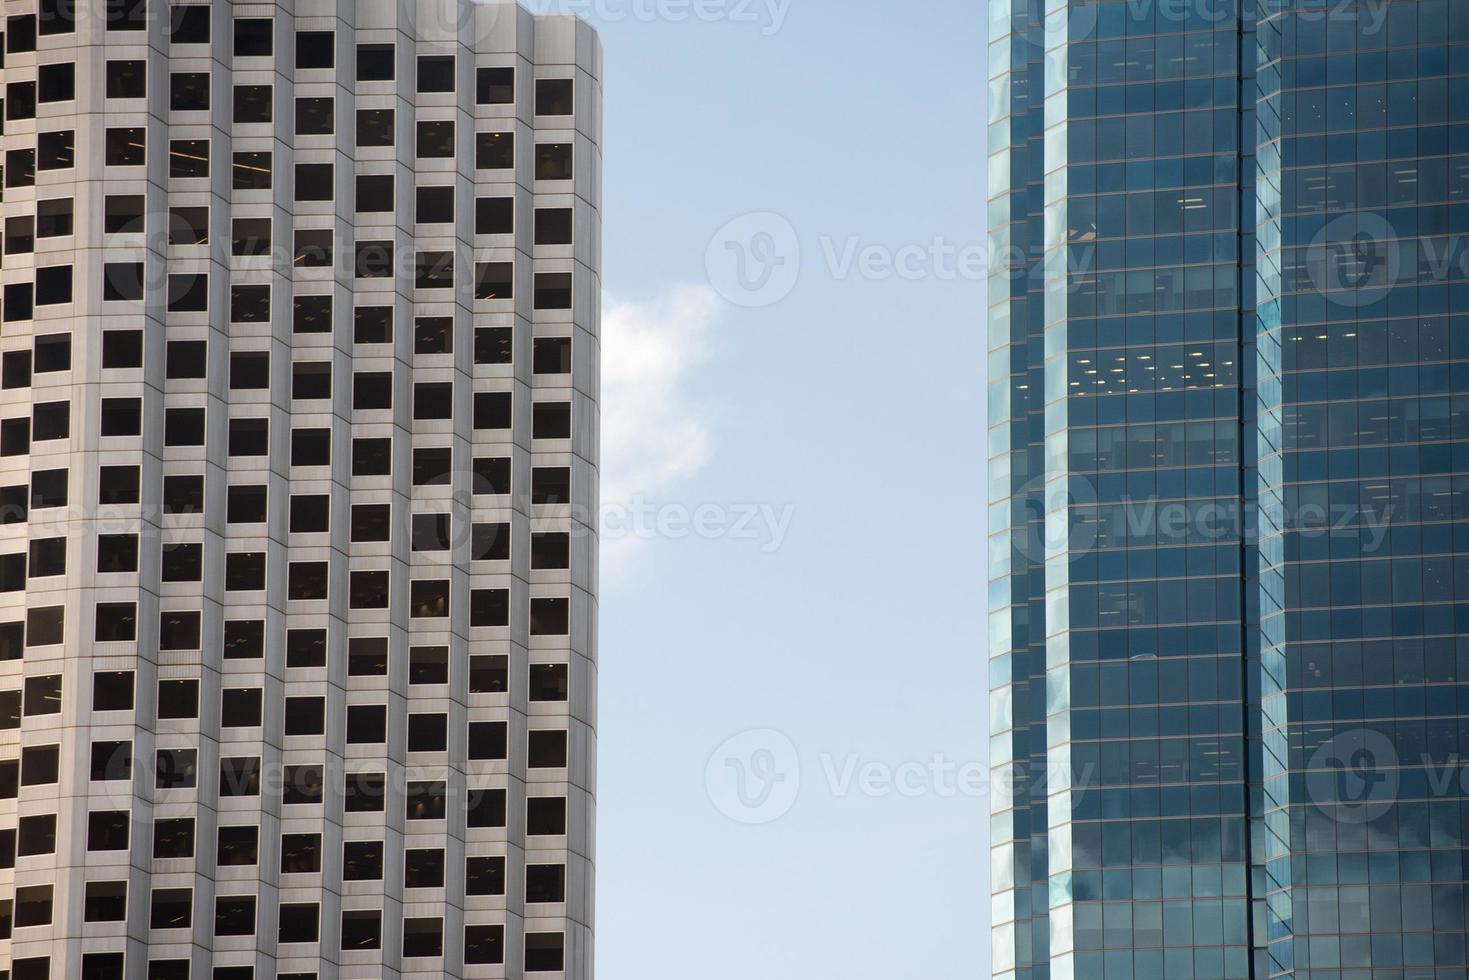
{"x": 654, "y": 432}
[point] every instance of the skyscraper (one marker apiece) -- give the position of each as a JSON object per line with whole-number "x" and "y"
{"x": 298, "y": 461}
{"x": 1229, "y": 489}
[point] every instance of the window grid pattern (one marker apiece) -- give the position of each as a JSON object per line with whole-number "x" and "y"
{"x": 1362, "y": 450}
{"x": 299, "y": 320}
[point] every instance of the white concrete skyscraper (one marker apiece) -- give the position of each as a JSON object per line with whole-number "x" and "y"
{"x": 299, "y": 310}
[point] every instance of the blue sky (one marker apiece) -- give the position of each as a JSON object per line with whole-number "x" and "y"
{"x": 793, "y": 460}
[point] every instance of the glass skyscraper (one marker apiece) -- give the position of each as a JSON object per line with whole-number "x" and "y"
{"x": 1229, "y": 488}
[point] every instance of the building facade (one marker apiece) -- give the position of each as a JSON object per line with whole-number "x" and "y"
{"x": 1229, "y": 489}
{"x": 299, "y": 312}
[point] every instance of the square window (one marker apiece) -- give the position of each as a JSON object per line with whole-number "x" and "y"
{"x": 252, "y": 170}
{"x": 545, "y": 952}
{"x": 494, "y": 86}
{"x": 545, "y": 816}
{"x": 554, "y": 97}
{"x": 300, "y": 853}
{"x": 362, "y": 929}
{"x": 107, "y": 830}
{"x": 485, "y": 808}
{"x": 244, "y": 639}
{"x": 253, "y": 37}
{"x": 311, "y": 380}
{"x": 492, "y": 409}
{"x": 364, "y": 792}
{"x": 423, "y": 937}
{"x": 246, "y": 503}
{"x": 183, "y": 427}
{"x": 183, "y": 493}
{"x": 423, "y": 867}
{"x": 250, "y": 236}
{"x": 117, "y": 553}
{"x": 254, "y": 103}
{"x": 188, "y": 158}
{"x": 238, "y": 846}
{"x": 487, "y": 740}
{"x": 484, "y": 875}
{"x": 178, "y": 630}
{"x": 425, "y": 800}
{"x": 178, "y": 699}
{"x": 112, "y": 761}
{"x": 112, "y": 690}
{"x": 547, "y": 749}
{"x": 553, "y": 161}
{"x": 548, "y": 682}
{"x": 428, "y": 732}
{"x": 249, "y": 304}
{"x": 545, "y": 883}
{"x": 494, "y": 151}
{"x": 173, "y": 838}
{"x": 375, "y": 127}
{"x": 494, "y": 215}
{"x": 53, "y": 285}
{"x": 244, "y": 571}
{"x": 188, "y": 293}
{"x": 368, "y": 590}
{"x": 306, "y": 580}
{"x": 302, "y": 786}
{"x": 189, "y": 23}
{"x": 313, "y": 248}
{"x": 371, "y": 522}
{"x": 234, "y": 916}
{"x": 493, "y": 280}
{"x": 240, "y": 707}
{"x": 436, "y": 73}
{"x": 122, "y": 213}
{"x": 305, "y": 648}
{"x": 550, "y": 485}
{"x": 172, "y": 908}
{"x": 310, "y": 513}
{"x": 186, "y": 359}
{"x": 315, "y": 49}
{"x": 362, "y": 860}
{"x": 484, "y": 944}
{"x": 315, "y": 116}
{"x": 372, "y": 457}
{"x": 36, "y": 835}
{"x": 121, "y": 349}
{"x": 489, "y": 607}
{"x": 188, "y": 226}
{"x": 312, "y": 314}
{"x": 176, "y": 768}
{"x": 434, "y": 270}
{"x": 188, "y": 91}
{"x": 428, "y": 665}
{"x": 435, "y": 139}
{"x": 435, "y": 205}
{"x": 432, "y": 466}
{"x": 311, "y": 447}
{"x": 552, "y": 291}
{"x": 56, "y": 151}
{"x": 314, "y": 182}
{"x": 372, "y": 325}
{"x": 375, "y": 62}
{"x": 433, "y": 335}
{"x": 551, "y": 355}
{"x": 56, "y": 83}
{"x": 300, "y": 921}
{"x": 490, "y": 542}
{"x": 489, "y": 674}
{"x": 54, "y": 218}
{"x": 367, "y": 724}
{"x": 367, "y": 656}
{"x": 553, "y": 226}
{"x": 305, "y": 716}
{"x": 126, "y": 79}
